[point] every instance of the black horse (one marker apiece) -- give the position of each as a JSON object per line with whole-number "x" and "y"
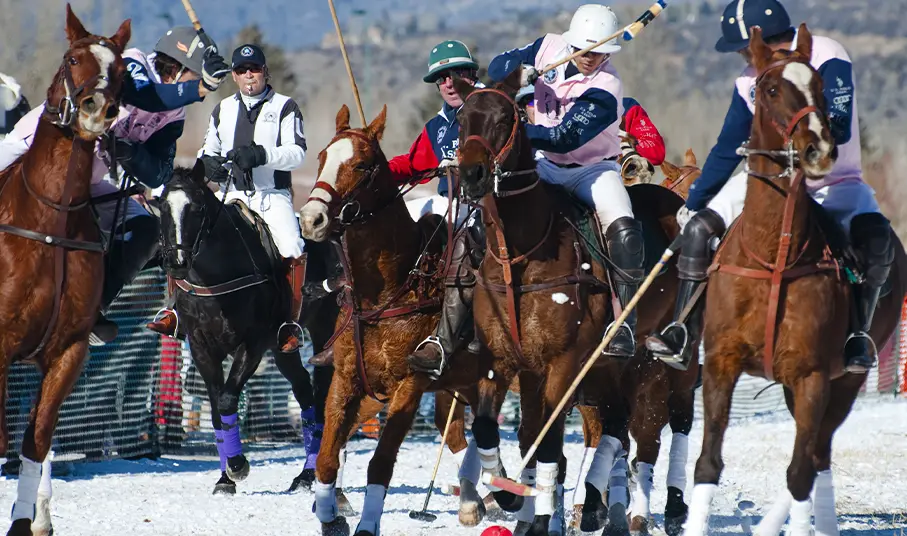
{"x": 232, "y": 296}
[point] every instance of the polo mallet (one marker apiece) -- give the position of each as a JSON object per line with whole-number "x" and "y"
{"x": 346, "y": 60}
{"x": 193, "y": 18}
{"x": 628, "y": 32}
{"x": 529, "y": 491}
{"x": 423, "y": 514}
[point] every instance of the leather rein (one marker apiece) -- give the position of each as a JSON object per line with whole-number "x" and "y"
{"x": 780, "y": 270}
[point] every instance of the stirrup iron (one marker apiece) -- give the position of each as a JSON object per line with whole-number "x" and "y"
{"x": 434, "y": 339}
{"x": 676, "y": 357}
{"x": 176, "y": 328}
{"x": 297, "y": 329}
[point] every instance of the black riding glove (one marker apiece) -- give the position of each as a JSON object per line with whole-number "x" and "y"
{"x": 214, "y": 168}
{"x": 214, "y": 70}
{"x": 248, "y": 157}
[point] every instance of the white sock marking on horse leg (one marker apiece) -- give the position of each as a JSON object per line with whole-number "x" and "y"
{"x": 45, "y": 488}
{"x": 824, "y": 504}
{"x": 27, "y": 489}
{"x": 801, "y": 518}
{"x": 178, "y": 201}
{"x": 618, "y": 484}
{"x": 700, "y": 503}
{"x": 372, "y": 508}
{"x": 773, "y": 520}
{"x": 642, "y": 491}
{"x": 603, "y": 462}
{"x": 105, "y": 58}
{"x": 527, "y": 512}
{"x": 579, "y": 492}
{"x": 677, "y": 464}
{"x": 800, "y": 75}
{"x": 325, "y": 501}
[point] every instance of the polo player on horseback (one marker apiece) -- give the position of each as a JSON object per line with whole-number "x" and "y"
{"x": 716, "y": 198}
{"x": 260, "y": 132}
{"x": 578, "y": 109}
{"x": 182, "y": 70}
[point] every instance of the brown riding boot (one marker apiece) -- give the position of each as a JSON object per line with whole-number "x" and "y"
{"x": 167, "y": 324}
{"x": 289, "y": 335}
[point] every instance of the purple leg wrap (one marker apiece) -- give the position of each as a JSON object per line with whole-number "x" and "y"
{"x": 219, "y": 439}
{"x": 230, "y": 428}
{"x": 311, "y": 437}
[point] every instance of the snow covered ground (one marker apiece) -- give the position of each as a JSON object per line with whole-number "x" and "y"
{"x": 172, "y": 495}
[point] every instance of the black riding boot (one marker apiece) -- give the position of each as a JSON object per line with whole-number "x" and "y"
{"x": 674, "y": 345}
{"x": 871, "y": 235}
{"x": 625, "y": 245}
{"x": 432, "y": 354}
{"x": 125, "y": 259}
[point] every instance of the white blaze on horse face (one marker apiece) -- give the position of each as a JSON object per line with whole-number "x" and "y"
{"x": 338, "y": 153}
{"x": 178, "y": 202}
{"x": 105, "y": 58}
{"x": 800, "y": 76}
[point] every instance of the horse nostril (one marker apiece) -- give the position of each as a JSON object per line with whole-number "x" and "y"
{"x": 811, "y": 154}
{"x": 90, "y": 105}
{"x": 319, "y": 220}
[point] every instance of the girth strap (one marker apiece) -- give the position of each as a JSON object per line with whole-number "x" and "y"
{"x": 222, "y": 288}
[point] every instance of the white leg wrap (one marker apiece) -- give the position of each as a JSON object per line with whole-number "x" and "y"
{"x": 45, "y": 488}
{"x": 642, "y": 491}
{"x": 27, "y": 491}
{"x": 579, "y": 492}
{"x": 824, "y": 505}
{"x": 602, "y": 462}
{"x": 618, "y": 492}
{"x": 700, "y": 503}
{"x": 546, "y": 483}
{"x": 527, "y": 512}
{"x": 325, "y": 501}
{"x": 801, "y": 518}
{"x": 471, "y": 466}
{"x": 372, "y": 509}
{"x": 773, "y": 520}
{"x": 491, "y": 463}
{"x": 677, "y": 464}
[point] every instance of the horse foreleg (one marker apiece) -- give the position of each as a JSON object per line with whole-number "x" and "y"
{"x": 531, "y": 422}
{"x": 488, "y": 439}
{"x": 244, "y": 365}
{"x": 209, "y": 367}
{"x": 592, "y": 433}
{"x": 56, "y": 385}
{"x": 400, "y": 414}
{"x": 719, "y": 380}
{"x": 680, "y": 408}
{"x": 341, "y": 415}
{"x": 290, "y": 366}
{"x": 650, "y": 415}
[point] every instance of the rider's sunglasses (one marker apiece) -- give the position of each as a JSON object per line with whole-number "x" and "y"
{"x": 243, "y": 69}
{"x": 459, "y": 73}
{"x": 588, "y": 54}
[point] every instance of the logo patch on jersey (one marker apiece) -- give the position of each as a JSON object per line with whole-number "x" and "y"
{"x": 550, "y": 76}
{"x": 270, "y": 117}
{"x": 246, "y": 52}
{"x": 753, "y": 94}
{"x": 441, "y": 133}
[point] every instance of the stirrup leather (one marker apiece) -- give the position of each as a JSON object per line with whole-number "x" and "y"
{"x": 434, "y": 339}
{"x": 676, "y": 357}
{"x": 158, "y": 316}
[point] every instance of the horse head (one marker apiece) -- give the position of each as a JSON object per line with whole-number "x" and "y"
{"x": 350, "y": 186}
{"x": 678, "y": 179}
{"x": 185, "y": 215}
{"x": 492, "y": 137}
{"x": 790, "y": 106}
{"x": 85, "y": 92}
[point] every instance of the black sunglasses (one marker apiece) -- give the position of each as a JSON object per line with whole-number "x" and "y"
{"x": 243, "y": 69}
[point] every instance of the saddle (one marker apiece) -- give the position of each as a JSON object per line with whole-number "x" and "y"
{"x": 261, "y": 228}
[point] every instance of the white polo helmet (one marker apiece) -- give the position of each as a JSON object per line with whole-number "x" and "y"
{"x": 590, "y": 24}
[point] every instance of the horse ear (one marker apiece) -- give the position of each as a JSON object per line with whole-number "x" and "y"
{"x": 376, "y": 127}
{"x": 689, "y": 158}
{"x": 343, "y": 119}
{"x": 804, "y": 42}
{"x": 670, "y": 171}
{"x": 74, "y": 28}
{"x": 463, "y": 88}
{"x": 760, "y": 52}
{"x": 121, "y": 38}
{"x": 511, "y": 84}
{"x": 198, "y": 171}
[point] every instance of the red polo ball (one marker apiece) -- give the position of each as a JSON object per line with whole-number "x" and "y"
{"x": 497, "y": 530}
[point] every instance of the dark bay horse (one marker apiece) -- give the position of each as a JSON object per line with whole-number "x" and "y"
{"x": 232, "y": 297}
{"x": 50, "y": 255}
{"x": 388, "y": 311}
{"x": 786, "y": 321}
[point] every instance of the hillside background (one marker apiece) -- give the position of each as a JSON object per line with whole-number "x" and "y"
{"x": 671, "y": 68}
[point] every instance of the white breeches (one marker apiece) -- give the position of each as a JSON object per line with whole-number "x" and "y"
{"x": 276, "y": 208}
{"x": 435, "y": 204}
{"x": 842, "y": 201}
{"x": 598, "y": 185}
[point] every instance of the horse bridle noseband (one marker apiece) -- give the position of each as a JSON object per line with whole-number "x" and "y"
{"x": 63, "y": 114}
{"x": 787, "y": 155}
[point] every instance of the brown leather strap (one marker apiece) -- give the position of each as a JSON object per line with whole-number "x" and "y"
{"x": 563, "y": 281}
{"x": 51, "y": 240}
{"x": 222, "y": 288}
{"x": 503, "y": 259}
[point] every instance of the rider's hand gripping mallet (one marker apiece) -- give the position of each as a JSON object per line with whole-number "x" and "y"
{"x": 193, "y": 18}
{"x": 423, "y": 514}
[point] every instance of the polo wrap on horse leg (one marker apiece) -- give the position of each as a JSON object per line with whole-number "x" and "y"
{"x": 456, "y": 310}
{"x": 674, "y": 345}
{"x": 871, "y": 236}
{"x": 624, "y": 239}
{"x": 289, "y": 335}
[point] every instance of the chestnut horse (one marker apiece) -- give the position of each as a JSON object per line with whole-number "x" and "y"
{"x": 809, "y": 317}
{"x": 390, "y": 307}
{"x": 50, "y": 254}
{"x": 548, "y": 341}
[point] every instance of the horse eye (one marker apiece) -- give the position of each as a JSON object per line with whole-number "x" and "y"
{"x": 361, "y": 167}
{"x": 773, "y": 91}
{"x": 73, "y": 61}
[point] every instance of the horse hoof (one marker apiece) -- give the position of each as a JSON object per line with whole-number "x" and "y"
{"x": 509, "y": 502}
{"x": 238, "y": 468}
{"x": 344, "y": 507}
{"x": 337, "y": 527}
{"x": 20, "y": 527}
{"x": 472, "y": 508}
{"x": 224, "y": 486}
{"x": 539, "y": 526}
{"x": 522, "y": 528}
{"x": 674, "y": 525}
{"x": 305, "y": 480}
{"x": 594, "y": 512}
{"x": 675, "y": 512}
{"x": 617, "y": 521}
{"x": 639, "y": 526}
{"x": 493, "y": 512}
